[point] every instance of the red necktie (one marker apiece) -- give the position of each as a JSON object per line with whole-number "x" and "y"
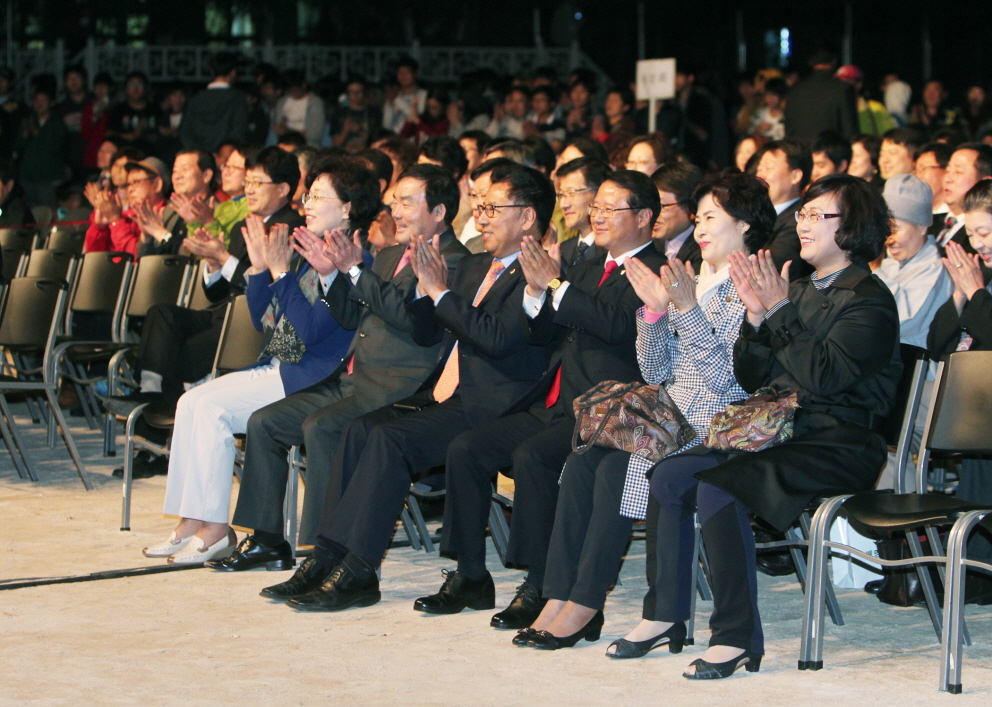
{"x": 403, "y": 262}
{"x": 555, "y": 390}
{"x": 948, "y": 225}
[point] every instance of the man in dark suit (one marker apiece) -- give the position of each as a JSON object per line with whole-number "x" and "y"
{"x": 591, "y": 317}
{"x": 785, "y": 166}
{"x": 821, "y": 102}
{"x": 178, "y": 344}
{"x": 970, "y": 162}
{"x": 931, "y": 165}
{"x": 673, "y": 230}
{"x": 487, "y": 370}
{"x": 383, "y": 365}
{"x": 578, "y": 181}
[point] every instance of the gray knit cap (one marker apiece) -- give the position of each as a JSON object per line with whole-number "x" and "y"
{"x": 909, "y": 198}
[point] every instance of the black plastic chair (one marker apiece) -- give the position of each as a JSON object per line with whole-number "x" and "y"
{"x": 30, "y": 324}
{"x": 50, "y": 264}
{"x": 957, "y": 422}
{"x": 67, "y": 238}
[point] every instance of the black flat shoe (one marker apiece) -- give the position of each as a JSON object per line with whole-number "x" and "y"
{"x": 523, "y": 636}
{"x": 526, "y": 606}
{"x": 341, "y": 590}
{"x": 716, "y": 671}
{"x": 308, "y": 576}
{"x": 542, "y": 640}
{"x": 251, "y": 553}
{"x": 674, "y": 637}
{"x": 457, "y": 593}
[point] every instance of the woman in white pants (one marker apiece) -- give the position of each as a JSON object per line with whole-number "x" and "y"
{"x": 304, "y": 344}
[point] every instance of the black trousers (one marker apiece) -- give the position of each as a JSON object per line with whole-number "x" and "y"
{"x": 315, "y": 417}
{"x": 589, "y": 535}
{"x": 676, "y": 495}
{"x": 179, "y": 344}
{"x": 376, "y": 459}
{"x": 535, "y": 443}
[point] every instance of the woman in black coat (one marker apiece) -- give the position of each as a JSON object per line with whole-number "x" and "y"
{"x": 834, "y": 337}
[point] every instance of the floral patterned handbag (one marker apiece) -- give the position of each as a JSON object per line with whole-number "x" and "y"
{"x": 762, "y": 421}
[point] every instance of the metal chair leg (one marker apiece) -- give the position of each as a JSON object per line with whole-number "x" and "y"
{"x": 292, "y": 490}
{"x": 132, "y": 420}
{"x": 408, "y": 527}
{"x": 18, "y": 452}
{"x": 70, "y": 444}
{"x": 698, "y": 577}
{"x": 811, "y": 645}
{"x": 929, "y": 592}
{"x": 833, "y": 608}
{"x": 951, "y": 638}
{"x": 421, "y": 526}
{"x": 705, "y": 592}
{"x": 498, "y": 529}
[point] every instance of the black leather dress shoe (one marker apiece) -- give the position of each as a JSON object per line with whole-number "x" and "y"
{"x": 251, "y": 553}
{"x": 459, "y": 592}
{"x": 309, "y": 576}
{"x": 341, "y": 590}
{"x": 522, "y": 611}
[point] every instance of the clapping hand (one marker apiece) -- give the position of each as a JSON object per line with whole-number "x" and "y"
{"x": 759, "y": 285}
{"x": 648, "y": 286}
{"x": 278, "y": 249}
{"x": 202, "y": 244}
{"x": 193, "y": 209}
{"x": 345, "y": 252}
{"x": 429, "y": 267}
{"x": 680, "y": 282}
{"x": 106, "y": 205}
{"x": 540, "y": 266}
{"x": 965, "y": 271}
{"x": 254, "y": 235}
{"x": 314, "y": 249}
{"x": 149, "y": 221}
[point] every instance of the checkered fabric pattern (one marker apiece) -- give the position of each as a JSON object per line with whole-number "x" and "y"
{"x": 693, "y": 355}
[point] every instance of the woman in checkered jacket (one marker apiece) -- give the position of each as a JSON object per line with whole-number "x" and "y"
{"x": 686, "y": 335}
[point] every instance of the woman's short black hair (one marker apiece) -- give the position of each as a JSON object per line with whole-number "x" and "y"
{"x": 745, "y": 198}
{"x": 642, "y": 193}
{"x": 439, "y": 188}
{"x": 280, "y": 166}
{"x": 529, "y": 187}
{"x": 864, "y": 220}
{"x": 355, "y": 184}
{"x": 589, "y": 147}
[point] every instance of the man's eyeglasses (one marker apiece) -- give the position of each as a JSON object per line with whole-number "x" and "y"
{"x": 813, "y": 216}
{"x": 255, "y": 183}
{"x": 490, "y": 209}
{"x": 317, "y": 198}
{"x": 674, "y": 203}
{"x": 608, "y": 211}
{"x": 231, "y": 168}
{"x": 570, "y": 194}
{"x": 133, "y": 182}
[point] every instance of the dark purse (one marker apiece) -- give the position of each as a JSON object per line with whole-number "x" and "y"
{"x": 764, "y": 420}
{"x": 632, "y": 417}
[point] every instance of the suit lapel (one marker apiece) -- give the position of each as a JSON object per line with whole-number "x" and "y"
{"x": 506, "y": 279}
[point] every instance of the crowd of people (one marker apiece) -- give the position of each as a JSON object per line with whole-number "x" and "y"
{"x": 437, "y": 282}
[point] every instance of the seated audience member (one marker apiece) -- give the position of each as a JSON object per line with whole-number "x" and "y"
{"x": 402, "y": 153}
{"x": 355, "y": 118}
{"x": 513, "y": 149}
{"x": 41, "y": 145}
{"x": 618, "y": 127}
{"x": 447, "y": 153}
{"x": 578, "y": 120}
{"x": 383, "y": 365}
{"x": 846, "y": 381}
{"x": 647, "y": 153}
{"x": 93, "y": 121}
{"x": 108, "y": 198}
{"x": 913, "y": 271}
{"x": 303, "y": 344}
{"x": 136, "y": 119}
{"x": 410, "y": 100}
{"x": 509, "y": 116}
{"x": 676, "y": 182}
{"x": 545, "y": 119}
{"x": 218, "y": 221}
{"x": 292, "y": 140}
{"x": 768, "y": 119}
{"x": 745, "y": 156}
{"x": 474, "y": 142}
{"x": 969, "y": 163}
{"x": 300, "y": 110}
{"x": 896, "y": 155}
{"x": 831, "y": 155}
{"x": 964, "y": 323}
{"x": 477, "y": 196}
{"x": 864, "y": 157}
{"x": 382, "y": 232}
{"x": 433, "y": 122}
{"x": 590, "y": 318}
{"x": 686, "y": 334}
{"x": 178, "y": 344}
{"x": 14, "y": 209}
{"x": 306, "y": 156}
{"x": 785, "y": 165}
{"x": 194, "y": 180}
{"x": 933, "y": 113}
{"x": 582, "y": 147}
{"x": 218, "y": 113}
{"x": 578, "y": 181}
{"x": 487, "y": 371}
{"x": 105, "y": 153}
{"x": 544, "y": 156}
{"x": 931, "y": 165}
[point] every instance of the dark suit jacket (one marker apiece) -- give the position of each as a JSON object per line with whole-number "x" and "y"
{"x": 839, "y": 347}
{"x": 688, "y": 252}
{"x": 569, "y": 251}
{"x": 784, "y": 244}
{"x": 176, "y": 226}
{"x": 389, "y": 364}
{"x": 947, "y": 325}
{"x": 594, "y": 328}
{"x": 220, "y": 291}
{"x": 498, "y": 369}
{"x": 821, "y": 102}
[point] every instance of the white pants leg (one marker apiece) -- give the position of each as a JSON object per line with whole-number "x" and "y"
{"x": 201, "y": 463}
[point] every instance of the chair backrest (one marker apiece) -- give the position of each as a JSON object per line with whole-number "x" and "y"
{"x": 197, "y": 297}
{"x": 103, "y": 278}
{"x": 43, "y": 214}
{"x": 51, "y": 264}
{"x": 902, "y": 419}
{"x": 28, "y": 315}
{"x": 11, "y": 262}
{"x": 67, "y": 238}
{"x": 960, "y": 410}
{"x": 240, "y": 341}
{"x": 159, "y": 280}
{"x": 19, "y": 238}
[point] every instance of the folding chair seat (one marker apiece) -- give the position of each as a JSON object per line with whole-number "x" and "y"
{"x": 956, "y": 423}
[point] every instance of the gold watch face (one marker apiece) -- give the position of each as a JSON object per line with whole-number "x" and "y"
{"x": 554, "y": 284}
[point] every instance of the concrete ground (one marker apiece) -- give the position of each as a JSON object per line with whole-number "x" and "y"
{"x": 199, "y": 637}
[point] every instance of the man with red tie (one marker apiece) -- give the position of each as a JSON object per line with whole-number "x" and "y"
{"x": 487, "y": 370}
{"x": 590, "y": 319}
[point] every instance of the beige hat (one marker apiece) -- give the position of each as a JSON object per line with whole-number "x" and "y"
{"x": 153, "y": 166}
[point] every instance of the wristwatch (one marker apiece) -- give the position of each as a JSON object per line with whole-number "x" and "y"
{"x": 356, "y": 270}
{"x": 554, "y": 285}
{"x": 281, "y": 275}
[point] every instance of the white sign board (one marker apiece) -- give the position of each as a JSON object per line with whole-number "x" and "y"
{"x": 655, "y": 79}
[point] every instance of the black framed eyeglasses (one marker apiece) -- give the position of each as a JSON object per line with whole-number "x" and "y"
{"x": 490, "y": 209}
{"x": 814, "y": 216}
{"x": 609, "y": 211}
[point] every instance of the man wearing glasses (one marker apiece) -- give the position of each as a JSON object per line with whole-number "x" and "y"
{"x": 578, "y": 181}
{"x": 590, "y": 319}
{"x": 673, "y": 230}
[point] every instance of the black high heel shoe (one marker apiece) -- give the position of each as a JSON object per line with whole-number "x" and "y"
{"x": 715, "y": 671}
{"x": 542, "y": 640}
{"x": 674, "y": 637}
{"x": 523, "y": 635}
